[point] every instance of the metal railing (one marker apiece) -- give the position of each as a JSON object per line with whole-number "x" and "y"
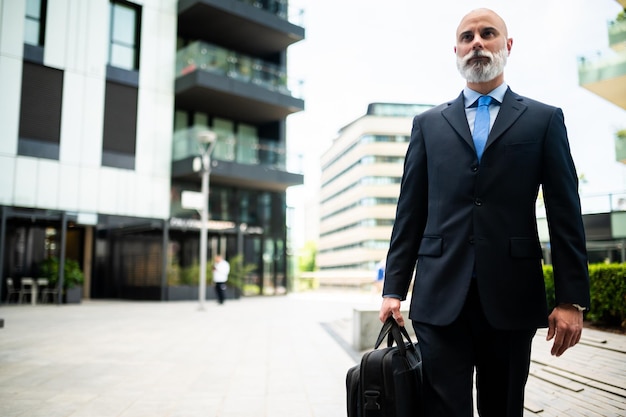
{"x": 280, "y": 8}
{"x": 617, "y": 34}
{"x": 595, "y": 203}
{"x": 600, "y": 66}
{"x": 205, "y": 56}
{"x": 240, "y": 149}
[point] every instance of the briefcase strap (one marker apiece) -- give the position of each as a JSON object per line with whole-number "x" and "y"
{"x": 394, "y": 333}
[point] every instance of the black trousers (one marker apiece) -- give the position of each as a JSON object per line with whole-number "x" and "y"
{"x": 451, "y": 353}
{"x": 220, "y": 291}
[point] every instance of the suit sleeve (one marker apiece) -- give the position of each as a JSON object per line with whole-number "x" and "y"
{"x": 567, "y": 235}
{"x": 410, "y": 219}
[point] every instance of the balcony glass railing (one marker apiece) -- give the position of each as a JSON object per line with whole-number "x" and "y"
{"x": 212, "y": 58}
{"x": 280, "y": 8}
{"x": 243, "y": 149}
{"x": 594, "y": 203}
{"x": 601, "y": 66}
{"x": 617, "y": 34}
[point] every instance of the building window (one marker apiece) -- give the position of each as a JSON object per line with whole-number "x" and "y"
{"x": 40, "y": 111}
{"x": 120, "y": 126}
{"x": 124, "y": 35}
{"x": 34, "y": 24}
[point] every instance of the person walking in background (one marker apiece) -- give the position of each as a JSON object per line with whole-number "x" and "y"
{"x": 466, "y": 211}
{"x": 221, "y": 269}
{"x": 380, "y": 276}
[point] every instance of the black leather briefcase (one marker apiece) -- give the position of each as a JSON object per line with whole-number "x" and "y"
{"x": 388, "y": 381}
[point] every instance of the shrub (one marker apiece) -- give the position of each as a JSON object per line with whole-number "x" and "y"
{"x": 191, "y": 275}
{"x": 608, "y": 292}
{"x": 548, "y": 277}
{"x": 72, "y": 274}
{"x": 239, "y": 271}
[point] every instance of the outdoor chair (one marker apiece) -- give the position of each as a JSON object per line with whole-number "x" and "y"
{"x": 12, "y": 290}
{"x": 42, "y": 286}
{"x": 26, "y": 288}
{"x": 49, "y": 291}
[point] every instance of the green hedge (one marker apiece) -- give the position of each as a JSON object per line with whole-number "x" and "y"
{"x": 191, "y": 274}
{"x": 608, "y": 292}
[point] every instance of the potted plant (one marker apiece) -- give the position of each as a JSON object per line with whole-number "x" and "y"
{"x": 73, "y": 277}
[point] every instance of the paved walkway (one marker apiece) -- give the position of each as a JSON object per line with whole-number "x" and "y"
{"x": 281, "y": 356}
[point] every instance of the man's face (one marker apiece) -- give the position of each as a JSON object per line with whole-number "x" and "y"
{"x": 481, "y": 66}
{"x": 482, "y": 47}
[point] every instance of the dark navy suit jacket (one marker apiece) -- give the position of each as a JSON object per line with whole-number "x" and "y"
{"x": 461, "y": 220}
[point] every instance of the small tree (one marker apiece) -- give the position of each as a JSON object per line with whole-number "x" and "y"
{"x": 307, "y": 257}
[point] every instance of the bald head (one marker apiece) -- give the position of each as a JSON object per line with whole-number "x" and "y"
{"x": 484, "y": 15}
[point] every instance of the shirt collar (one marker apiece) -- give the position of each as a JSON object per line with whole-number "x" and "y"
{"x": 470, "y": 96}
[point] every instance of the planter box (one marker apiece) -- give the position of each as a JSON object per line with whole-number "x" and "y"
{"x": 73, "y": 295}
{"x": 182, "y": 292}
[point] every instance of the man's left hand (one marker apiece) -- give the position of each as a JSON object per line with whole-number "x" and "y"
{"x": 565, "y": 326}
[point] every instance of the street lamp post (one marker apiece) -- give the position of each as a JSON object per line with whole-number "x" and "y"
{"x": 206, "y": 140}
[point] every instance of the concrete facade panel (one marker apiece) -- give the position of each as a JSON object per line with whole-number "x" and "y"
{"x": 26, "y": 188}
{"x": 7, "y": 175}
{"x": 88, "y": 189}
{"x": 108, "y": 197}
{"x": 10, "y": 86}
{"x": 48, "y": 184}
{"x": 69, "y": 181}
{"x": 59, "y": 32}
{"x": 12, "y": 28}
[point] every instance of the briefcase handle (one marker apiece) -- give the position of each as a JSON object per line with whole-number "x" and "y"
{"x": 394, "y": 333}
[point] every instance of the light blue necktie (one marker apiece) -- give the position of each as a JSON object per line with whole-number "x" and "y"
{"x": 481, "y": 125}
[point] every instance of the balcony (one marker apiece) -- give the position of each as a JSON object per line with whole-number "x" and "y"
{"x": 234, "y": 85}
{"x": 243, "y": 150}
{"x": 617, "y": 35}
{"x": 605, "y": 76}
{"x": 237, "y": 160}
{"x": 279, "y": 8}
{"x": 259, "y": 27}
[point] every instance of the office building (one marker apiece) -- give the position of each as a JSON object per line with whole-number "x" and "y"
{"x": 103, "y": 102}
{"x": 360, "y": 184}
{"x": 604, "y": 74}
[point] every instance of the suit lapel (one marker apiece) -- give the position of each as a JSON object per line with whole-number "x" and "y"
{"x": 511, "y": 109}
{"x": 455, "y": 115}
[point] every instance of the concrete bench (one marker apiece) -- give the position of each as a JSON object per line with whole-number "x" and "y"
{"x": 366, "y": 328}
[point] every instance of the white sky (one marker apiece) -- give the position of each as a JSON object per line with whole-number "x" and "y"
{"x": 357, "y": 52}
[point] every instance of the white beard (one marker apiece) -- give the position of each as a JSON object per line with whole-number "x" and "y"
{"x": 480, "y": 72}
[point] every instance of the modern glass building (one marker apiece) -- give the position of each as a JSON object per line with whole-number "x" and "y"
{"x": 102, "y": 105}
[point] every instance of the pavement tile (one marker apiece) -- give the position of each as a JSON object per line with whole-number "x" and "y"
{"x": 283, "y": 356}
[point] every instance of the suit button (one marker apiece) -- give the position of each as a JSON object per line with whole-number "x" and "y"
{"x": 478, "y": 202}
{"x": 474, "y": 168}
{"x": 471, "y": 240}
